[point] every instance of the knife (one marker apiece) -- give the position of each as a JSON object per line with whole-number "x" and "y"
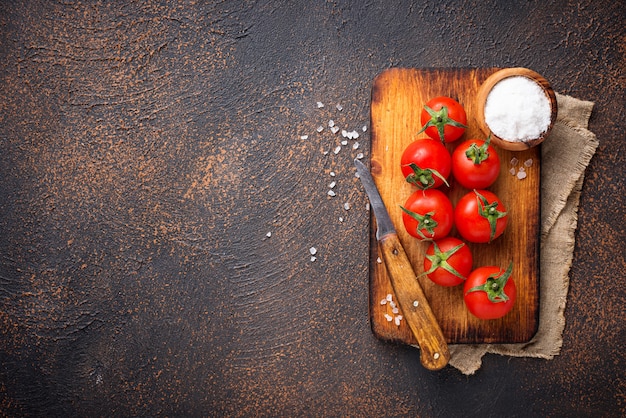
{"x": 411, "y": 298}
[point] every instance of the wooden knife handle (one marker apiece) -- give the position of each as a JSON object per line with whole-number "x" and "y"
{"x": 414, "y": 305}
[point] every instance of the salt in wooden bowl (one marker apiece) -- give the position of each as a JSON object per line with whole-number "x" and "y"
{"x": 515, "y": 144}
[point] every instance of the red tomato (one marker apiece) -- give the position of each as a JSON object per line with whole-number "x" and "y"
{"x": 443, "y": 118}
{"x": 426, "y": 163}
{"x": 489, "y": 292}
{"x": 428, "y": 214}
{"x": 475, "y": 164}
{"x": 448, "y": 261}
{"x": 480, "y": 216}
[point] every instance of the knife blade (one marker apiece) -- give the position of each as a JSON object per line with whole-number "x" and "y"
{"x": 434, "y": 353}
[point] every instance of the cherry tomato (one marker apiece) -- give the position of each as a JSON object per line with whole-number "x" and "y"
{"x": 448, "y": 261}
{"x": 480, "y": 216}
{"x": 475, "y": 164}
{"x": 443, "y": 118}
{"x": 426, "y": 163}
{"x": 489, "y": 292}
{"x": 428, "y": 214}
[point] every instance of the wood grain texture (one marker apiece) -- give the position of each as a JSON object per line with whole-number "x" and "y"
{"x": 397, "y": 99}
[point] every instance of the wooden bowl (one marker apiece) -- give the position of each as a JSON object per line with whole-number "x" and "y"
{"x": 484, "y": 91}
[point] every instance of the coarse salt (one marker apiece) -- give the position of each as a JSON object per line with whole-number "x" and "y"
{"x": 517, "y": 109}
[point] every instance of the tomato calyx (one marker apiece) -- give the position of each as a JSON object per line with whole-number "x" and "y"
{"x": 494, "y": 286}
{"x": 425, "y": 221}
{"x": 478, "y": 154}
{"x": 439, "y": 119}
{"x": 490, "y": 212}
{"x": 440, "y": 259}
{"x": 423, "y": 177}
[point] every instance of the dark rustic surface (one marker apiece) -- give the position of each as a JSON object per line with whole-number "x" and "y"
{"x": 147, "y": 148}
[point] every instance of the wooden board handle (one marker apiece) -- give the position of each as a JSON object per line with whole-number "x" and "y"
{"x": 414, "y": 305}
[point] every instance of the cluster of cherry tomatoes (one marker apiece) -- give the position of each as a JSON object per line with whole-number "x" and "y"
{"x": 479, "y": 215}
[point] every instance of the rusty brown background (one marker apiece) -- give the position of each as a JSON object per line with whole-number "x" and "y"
{"x": 148, "y": 148}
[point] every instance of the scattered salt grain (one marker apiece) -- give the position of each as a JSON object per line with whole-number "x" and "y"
{"x": 337, "y": 149}
{"x": 355, "y": 145}
{"x": 339, "y": 107}
{"x": 320, "y": 128}
{"x": 367, "y": 206}
{"x": 378, "y": 260}
{"x": 269, "y": 234}
{"x": 528, "y": 162}
{"x": 346, "y": 206}
{"x": 397, "y": 320}
{"x": 395, "y": 310}
{"x": 332, "y": 185}
{"x": 332, "y": 193}
{"x": 344, "y": 142}
{"x": 388, "y": 317}
{"x": 313, "y": 250}
{"x": 514, "y": 161}
{"x": 334, "y": 129}
{"x": 383, "y": 302}
{"x": 341, "y": 219}
{"x": 331, "y": 123}
{"x": 332, "y": 174}
{"x": 359, "y": 155}
{"x": 354, "y": 135}
{"x": 320, "y": 105}
{"x": 512, "y": 171}
{"x": 344, "y": 133}
{"x": 313, "y": 259}
{"x": 416, "y": 304}
{"x": 364, "y": 128}
{"x": 521, "y": 175}
{"x": 389, "y": 297}
{"x": 357, "y": 175}
{"x": 304, "y": 137}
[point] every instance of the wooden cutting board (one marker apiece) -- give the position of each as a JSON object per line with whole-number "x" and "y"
{"x": 398, "y": 95}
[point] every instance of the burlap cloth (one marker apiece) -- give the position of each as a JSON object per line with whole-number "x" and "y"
{"x": 564, "y": 156}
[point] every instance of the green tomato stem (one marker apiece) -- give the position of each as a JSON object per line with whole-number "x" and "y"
{"x": 490, "y": 212}
{"x": 439, "y": 119}
{"x": 494, "y": 285}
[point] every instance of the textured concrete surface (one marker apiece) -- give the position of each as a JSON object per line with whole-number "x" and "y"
{"x": 148, "y": 148}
